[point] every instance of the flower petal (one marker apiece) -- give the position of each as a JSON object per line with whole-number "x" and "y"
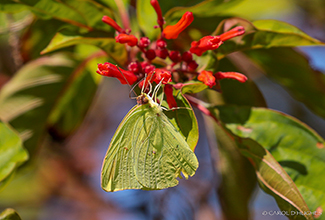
{"x": 231, "y": 75}
{"x": 172, "y": 31}
{"x": 207, "y": 78}
{"x": 110, "y": 70}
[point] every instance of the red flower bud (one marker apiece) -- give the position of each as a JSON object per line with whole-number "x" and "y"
{"x": 150, "y": 54}
{"x": 162, "y": 75}
{"x": 231, "y": 75}
{"x": 126, "y": 39}
{"x": 175, "y": 56}
{"x": 237, "y": 31}
{"x": 156, "y": 6}
{"x": 135, "y": 67}
{"x": 207, "y": 78}
{"x": 204, "y": 44}
{"x": 162, "y": 53}
{"x": 172, "y": 31}
{"x": 110, "y": 70}
{"x": 112, "y": 23}
{"x": 144, "y": 42}
{"x": 192, "y": 65}
{"x": 187, "y": 57}
{"x": 161, "y": 44}
{"x": 168, "y": 90}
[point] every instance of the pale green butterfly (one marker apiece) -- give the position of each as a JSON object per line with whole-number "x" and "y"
{"x": 146, "y": 151}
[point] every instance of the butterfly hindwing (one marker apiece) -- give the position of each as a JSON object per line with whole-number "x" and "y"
{"x": 161, "y": 153}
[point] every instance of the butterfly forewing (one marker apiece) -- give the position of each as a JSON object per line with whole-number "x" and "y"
{"x": 117, "y": 170}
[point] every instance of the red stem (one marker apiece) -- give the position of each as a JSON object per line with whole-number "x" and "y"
{"x": 196, "y": 102}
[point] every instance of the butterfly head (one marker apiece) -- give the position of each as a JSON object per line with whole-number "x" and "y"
{"x": 142, "y": 99}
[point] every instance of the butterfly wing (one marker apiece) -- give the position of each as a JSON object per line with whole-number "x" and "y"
{"x": 117, "y": 170}
{"x": 146, "y": 152}
{"x": 161, "y": 153}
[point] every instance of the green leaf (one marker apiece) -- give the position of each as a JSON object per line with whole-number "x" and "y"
{"x": 12, "y": 153}
{"x": 298, "y": 148}
{"x": 291, "y": 69}
{"x": 201, "y": 8}
{"x": 234, "y": 168}
{"x": 114, "y": 50}
{"x": 193, "y": 87}
{"x": 9, "y": 6}
{"x": 147, "y": 18}
{"x": 252, "y": 9}
{"x": 77, "y": 95}
{"x": 85, "y": 14}
{"x": 27, "y": 99}
{"x": 263, "y": 34}
{"x": 37, "y": 36}
{"x": 9, "y": 214}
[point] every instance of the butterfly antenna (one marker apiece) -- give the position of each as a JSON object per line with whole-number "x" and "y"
{"x": 144, "y": 78}
{"x": 132, "y": 88}
{"x": 155, "y": 92}
{"x": 149, "y": 82}
{"x": 162, "y": 98}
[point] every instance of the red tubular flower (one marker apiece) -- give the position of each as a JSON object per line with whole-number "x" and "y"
{"x": 126, "y": 39}
{"x": 213, "y": 42}
{"x": 207, "y": 78}
{"x": 231, "y": 75}
{"x": 156, "y": 6}
{"x": 110, "y": 70}
{"x": 204, "y": 44}
{"x": 168, "y": 90}
{"x": 162, "y": 75}
{"x": 172, "y": 31}
{"x": 112, "y": 23}
{"x": 237, "y": 31}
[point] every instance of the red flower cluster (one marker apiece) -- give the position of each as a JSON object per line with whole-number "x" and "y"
{"x": 179, "y": 66}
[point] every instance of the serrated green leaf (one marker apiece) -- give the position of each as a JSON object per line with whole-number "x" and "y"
{"x": 263, "y": 34}
{"x": 291, "y": 69}
{"x": 12, "y": 152}
{"x": 27, "y": 99}
{"x": 9, "y": 214}
{"x": 298, "y": 148}
{"x": 114, "y": 50}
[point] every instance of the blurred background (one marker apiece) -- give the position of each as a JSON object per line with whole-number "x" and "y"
{"x": 63, "y": 182}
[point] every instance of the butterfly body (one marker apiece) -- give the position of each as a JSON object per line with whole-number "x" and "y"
{"x": 147, "y": 151}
